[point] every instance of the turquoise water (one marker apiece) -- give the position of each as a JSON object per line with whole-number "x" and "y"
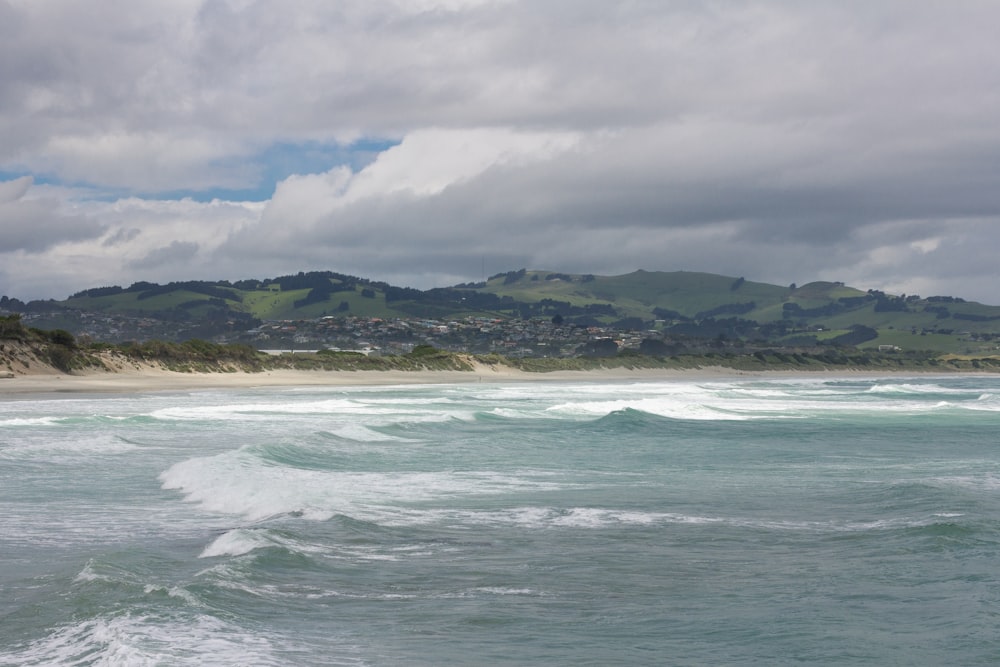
{"x": 827, "y": 521}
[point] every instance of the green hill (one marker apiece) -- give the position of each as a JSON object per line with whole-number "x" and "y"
{"x": 680, "y": 303}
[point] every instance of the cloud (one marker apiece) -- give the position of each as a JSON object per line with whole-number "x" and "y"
{"x": 334, "y": 210}
{"x": 11, "y": 191}
{"x": 604, "y": 204}
{"x": 35, "y": 225}
{"x": 147, "y": 162}
{"x": 121, "y": 236}
{"x": 178, "y": 252}
{"x": 779, "y": 140}
{"x": 138, "y": 239}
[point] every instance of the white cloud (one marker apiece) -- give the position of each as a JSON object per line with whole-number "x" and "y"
{"x": 428, "y": 161}
{"x": 307, "y": 209}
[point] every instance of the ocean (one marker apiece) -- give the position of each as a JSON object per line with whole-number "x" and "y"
{"x": 820, "y": 520}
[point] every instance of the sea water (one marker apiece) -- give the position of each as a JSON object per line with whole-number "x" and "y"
{"x": 821, "y": 520}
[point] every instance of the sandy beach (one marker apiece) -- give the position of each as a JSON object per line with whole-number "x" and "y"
{"x": 154, "y": 379}
{"x": 151, "y": 378}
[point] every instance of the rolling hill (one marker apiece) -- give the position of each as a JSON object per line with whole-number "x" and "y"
{"x": 680, "y": 303}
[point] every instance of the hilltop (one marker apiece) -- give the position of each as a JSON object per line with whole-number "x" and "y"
{"x": 675, "y": 305}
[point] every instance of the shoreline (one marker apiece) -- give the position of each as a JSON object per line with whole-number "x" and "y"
{"x": 153, "y": 379}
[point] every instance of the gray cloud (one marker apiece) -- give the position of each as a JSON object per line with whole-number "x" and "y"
{"x": 121, "y": 236}
{"x": 780, "y": 140}
{"x": 178, "y": 252}
{"x": 35, "y": 225}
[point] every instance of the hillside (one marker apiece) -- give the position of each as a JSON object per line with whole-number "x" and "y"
{"x": 675, "y": 304}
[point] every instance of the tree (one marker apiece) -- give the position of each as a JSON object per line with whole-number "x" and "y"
{"x": 654, "y": 347}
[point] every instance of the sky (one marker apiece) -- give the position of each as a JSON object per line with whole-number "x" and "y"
{"x": 431, "y": 142}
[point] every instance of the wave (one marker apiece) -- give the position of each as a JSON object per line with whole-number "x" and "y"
{"x": 273, "y": 547}
{"x": 133, "y": 639}
{"x": 240, "y": 541}
{"x": 328, "y": 454}
{"x": 107, "y": 575}
{"x": 63, "y": 422}
{"x": 592, "y": 518}
{"x": 987, "y": 482}
{"x": 30, "y": 421}
{"x": 919, "y": 389}
{"x": 355, "y": 432}
{"x": 771, "y": 401}
{"x": 662, "y": 406}
{"x": 358, "y": 406}
{"x": 239, "y": 483}
{"x": 63, "y": 450}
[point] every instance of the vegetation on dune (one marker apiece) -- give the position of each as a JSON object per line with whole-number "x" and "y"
{"x": 770, "y": 360}
{"x": 62, "y": 351}
{"x": 57, "y": 348}
{"x": 195, "y": 356}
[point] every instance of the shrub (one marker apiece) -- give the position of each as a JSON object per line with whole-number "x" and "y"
{"x": 61, "y": 357}
{"x": 62, "y": 337}
{"x": 11, "y": 327}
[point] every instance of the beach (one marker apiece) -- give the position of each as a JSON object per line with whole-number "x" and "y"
{"x": 147, "y": 377}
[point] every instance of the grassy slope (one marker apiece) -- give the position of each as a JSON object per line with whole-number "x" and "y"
{"x": 265, "y": 304}
{"x": 637, "y": 294}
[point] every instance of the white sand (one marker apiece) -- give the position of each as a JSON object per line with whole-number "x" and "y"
{"x": 149, "y": 378}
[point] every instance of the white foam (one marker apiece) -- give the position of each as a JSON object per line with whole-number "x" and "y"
{"x": 985, "y": 482}
{"x": 595, "y": 518}
{"x": 240, "y": 541}
{"x": 708, "y": 401}
{"x": 89, "y": 574}
{"x": 503, "y": 590}
{"x": 237, "y": 483}
{"x": 137, "y": 640}
{"x": 906, "y": 388}
{"x": 65, "y": 449}
{"x": 662, "y": 406}
{"x": 236, "y": 543}
{"x": 985, "y": 403}
{"x": 174, "y": 592}
{"x": 352, "y": 408}
{"x": 30, "y": 421}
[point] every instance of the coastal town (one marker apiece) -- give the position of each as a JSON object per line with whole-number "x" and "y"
{"x": 513, "y": 337}
{"x": 536, "y": 337}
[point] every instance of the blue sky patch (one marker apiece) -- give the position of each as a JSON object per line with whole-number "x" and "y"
{"x": 274, "y": 164}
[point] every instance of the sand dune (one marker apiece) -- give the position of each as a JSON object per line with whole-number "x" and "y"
{"x": 144, "y": 378}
